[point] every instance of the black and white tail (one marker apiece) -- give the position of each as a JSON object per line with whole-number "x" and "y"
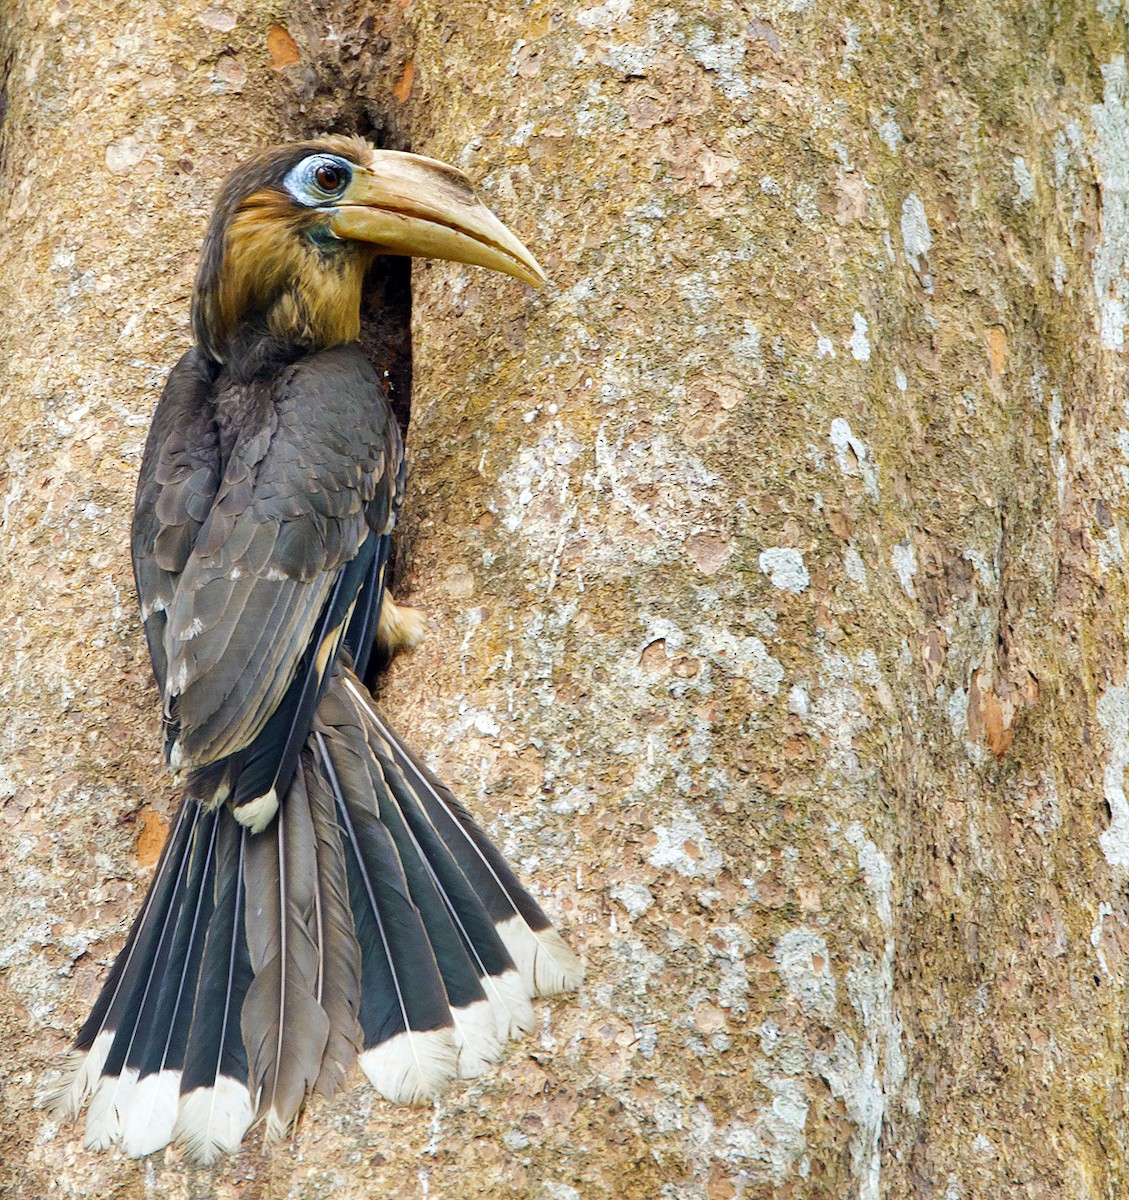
{"x": 372, "y": 919}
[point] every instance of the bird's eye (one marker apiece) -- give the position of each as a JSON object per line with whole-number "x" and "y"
{"x": 328, "y": 177}
{"x": 318, "y": 180}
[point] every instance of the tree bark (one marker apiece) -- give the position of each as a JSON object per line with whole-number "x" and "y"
{"x": 773, "y": 557}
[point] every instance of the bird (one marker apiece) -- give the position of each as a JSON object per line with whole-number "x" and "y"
{"x": 322, "y": 898}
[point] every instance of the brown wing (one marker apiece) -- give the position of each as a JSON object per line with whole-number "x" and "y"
{"x": 311, "y": 473}
{"x": 180, "y": 472}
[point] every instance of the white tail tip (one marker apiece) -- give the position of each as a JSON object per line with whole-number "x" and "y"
{"x": 105, "y": 1118}
{"x": 546, "y": 963}
{"x": 81, "y": 1071}
{"x": 151, "y": 1116}
{"x": 212, "y": 1121}
{"x": 476, "y": 1036}
{"x": 509, "y": 998}
{"x": 412, "y": 1067}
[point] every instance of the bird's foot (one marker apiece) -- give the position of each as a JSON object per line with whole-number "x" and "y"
{"x": 400, "y": 628}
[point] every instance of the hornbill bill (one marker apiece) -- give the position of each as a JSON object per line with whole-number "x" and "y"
{"x": 321, "y": 896}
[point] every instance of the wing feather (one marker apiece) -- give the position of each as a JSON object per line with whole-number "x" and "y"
{"x": 243, "y": 526}
{"x": 180, "y": 473}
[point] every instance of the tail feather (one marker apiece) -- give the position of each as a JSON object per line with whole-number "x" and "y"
{"x": 215, "y": 1106}
{"x": 371, "y": 920}
{"x": 339, "y": 975}
{"x": 409, "y": 1046}
{"x": 212, "y": 1121}
{"x": 545, "y": 962}
{"x": 504, "y": 989}
{"x": 157, "y": 1053}
{"x": 284, "y": 1026}
{"x": 114, "y": 1098}
{"x": 94, "y": 1040}
{"x": 475, "y": 1030}
{"x": 413, "y": 1066}
{"x": 478, "y": 1037}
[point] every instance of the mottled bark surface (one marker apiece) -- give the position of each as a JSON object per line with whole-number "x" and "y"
{"x": 773, "y": 558}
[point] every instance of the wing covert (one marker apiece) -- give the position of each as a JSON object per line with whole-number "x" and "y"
{"x": 310, "y": 474}
{"x": 180, "y": 472}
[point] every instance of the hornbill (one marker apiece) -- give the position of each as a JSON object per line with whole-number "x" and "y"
{"x": 321, "y": 895}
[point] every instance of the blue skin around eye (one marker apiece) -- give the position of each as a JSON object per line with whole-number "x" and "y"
{"x": 301, "y": 183}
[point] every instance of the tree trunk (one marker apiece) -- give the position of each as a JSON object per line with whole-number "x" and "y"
{"x": 772, "y": 555}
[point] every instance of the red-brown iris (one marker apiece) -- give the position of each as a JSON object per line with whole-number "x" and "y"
{"x": 328, "y": 177}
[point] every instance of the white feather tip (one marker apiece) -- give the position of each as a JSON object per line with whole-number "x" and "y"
{"x": 509, "y": 998}
{"x": 546, "y": 964}
{"x": 257, "y": 814}
{"x": 81, "y": 1070}
{"x": 105, "y": 1118}
{"x": 412, "y": 1067}
{"x": 148, "y": 1122}
{"x": 477, "y": 1038}
{"x": 212, "y": 1121}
